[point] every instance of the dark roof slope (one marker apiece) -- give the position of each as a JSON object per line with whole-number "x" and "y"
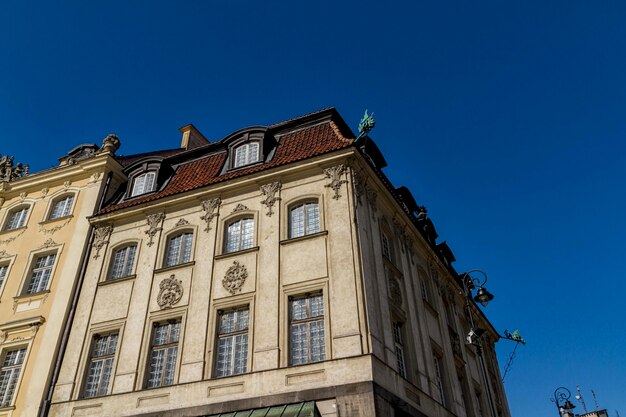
{"x": 293, "y": 146}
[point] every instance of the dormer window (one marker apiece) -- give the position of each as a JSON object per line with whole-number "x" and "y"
{"x": 246, "y": 154}
{"x": 143, "y": 183}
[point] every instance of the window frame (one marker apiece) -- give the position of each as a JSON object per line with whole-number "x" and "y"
{"x": 163, "y": 347}
{"x": 305, "y": 222}
{"x": 440, "y": 377}
{"x": 399, "y": 341}
{"x": 245, "y": 145}
{"x": 16, "y": 385}
{"x": 91, "y": 358}
{"x": 232, "y": 220}
{"x": 111, "y": 261}
{"x": 181, "y": 251}
{"x": 145, "y": 189}
{"x": 232, "y": 335}
{"x": 23, "y": 222}
{"x": 31, "y": 269}
{"x": 308, "y": 320}
{"x": 67, "y": 211}
{"x": 6, "y": 265}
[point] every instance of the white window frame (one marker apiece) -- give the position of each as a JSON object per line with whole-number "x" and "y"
{"x": 308, "y": 321}
{"x": 234, "y": 359}
{"x": 182, "y": 253}
{"x": 34, "y": 269}
{"x": 310, "y": 224}
{"x": 398, "y": 341}
{"x": 127, "y": 261}
{"x": 107, "y": 361}
{"x": 143, "y": 183}
{"x": 17, "y": 217}
{"x": 242, "y": 240}
{"x": 8, "y": 392}
{"x": 246, "y": 154}
{"x": 65, "y": 204}
{"x": 165, "y": 379}
{"x": 4, "y": 273}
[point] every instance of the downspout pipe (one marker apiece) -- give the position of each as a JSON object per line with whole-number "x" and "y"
{"x": 44, "y": 408}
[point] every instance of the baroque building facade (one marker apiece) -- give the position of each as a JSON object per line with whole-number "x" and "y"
{"x": 43, "y": 233}
{"x": 276, "y": 271}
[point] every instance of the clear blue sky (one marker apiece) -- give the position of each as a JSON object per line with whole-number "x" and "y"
{"x": 506, "y": 119}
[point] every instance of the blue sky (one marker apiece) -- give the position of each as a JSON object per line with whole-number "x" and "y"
{"x": 506, "y": 119}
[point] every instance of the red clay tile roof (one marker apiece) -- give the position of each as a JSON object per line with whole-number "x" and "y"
{"x": 292, "y": 147}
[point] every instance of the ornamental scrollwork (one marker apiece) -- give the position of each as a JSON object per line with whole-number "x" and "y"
{"x": 48, "y": 243}
{"x": 4, "y": 254}
{"x": 153, "y": 221}
{"x": 269, "y": 191}
{"x": 240, "y": 207}
{"x": 10, "y": 172}
{"x": 11, "y": 239}
{"x": 170, "y": 292}
{"x": 359, "y": 187}
{"x": 235, "y": 277}
{"x": 210, "y": 211}
{"x": 54, "y": 229}
{"x": 335, "y": 175}
{"x": 181, "y": 222}
{"x": 101, "y": 238}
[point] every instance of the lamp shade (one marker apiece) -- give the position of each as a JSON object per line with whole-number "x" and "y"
{"x": 483, "y": 296}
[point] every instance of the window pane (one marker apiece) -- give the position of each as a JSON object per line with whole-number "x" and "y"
{"x": 296, "y": 225}
{"x": 179, "y": 249}
{"x": 306, "y": 332}
{"x": 239, "y": 235}
{"x": 312, "y": 218}
{"x": 123, "y": 261}
{"x": 4, "y": 269}
{"x": 232, "y": 344}
{"x": 62, "y": 207}
{"x": 41, "y": 274}
{"x": 17, "y": 219}
{"x": 100, "y": 365}
{"x": 163, "y": 354}
{"x": 9, "y": 373}
{"x": 143, "y": 183}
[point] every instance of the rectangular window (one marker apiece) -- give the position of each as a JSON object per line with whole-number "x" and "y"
{"x": 439, "y": 378}
{"x": 9, "y": 374}
{"x": 240, "y": 235}
{"x": 100, "y": 365}
{"x": 144, "y": 183}
{"x": 306, "y": 329}
{"x": 232, "y": 342}
{"x": 40, "y": 275}
{"x": 386, "y": 246}
{"x": 163, "y": 354}
{"x": 304, "y": 219}
{"x": 123, "y": 262}
{"x": 399, "y": 345}
{"x": 179, "y": 249}
{"x": 62, "y": 207}
{"x": 4, "y": 271}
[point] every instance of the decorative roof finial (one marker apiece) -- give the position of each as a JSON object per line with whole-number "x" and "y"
{"x": 110, "y": 144}
{"x": 9, "y": 172}
{"x": 367, "y": 123}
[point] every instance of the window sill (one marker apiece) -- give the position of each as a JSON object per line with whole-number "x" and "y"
{"x": 239, "y": 252}
{"x": 10, "y": 408}
{"x": 172, "y": 267}
{"x": 58, "y": 219}
{"x": 114, "y": 280}
{"x": 252, "y": 164}
{"x": 23, "y": 228}
{"x": 305, "y": 237}
{"x": 34, "y": 296}
{"x": 430, "y": 307}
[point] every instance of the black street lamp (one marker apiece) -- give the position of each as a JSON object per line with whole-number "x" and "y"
{"x": 483, "y": 297}
{"x": 561, "y": 399}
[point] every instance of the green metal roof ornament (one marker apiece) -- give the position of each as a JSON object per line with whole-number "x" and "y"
{"x": 367, "y": 123}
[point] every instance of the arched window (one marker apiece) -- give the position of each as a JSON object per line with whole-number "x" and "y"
{"x": 17, "y": 218}
{"x": 122, "y": 262}
{"x": 143, "y": 183}
{"x": 239, "y": 235}
{"x": 245, "y": 154}
{"x": 178, "y": 249}
{"x": 61, "y": 207}
{"x": 304, "y": 219}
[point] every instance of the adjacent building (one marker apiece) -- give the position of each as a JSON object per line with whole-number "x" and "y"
{"x": 43, "y": 233}
{"x": 276, "y": 271}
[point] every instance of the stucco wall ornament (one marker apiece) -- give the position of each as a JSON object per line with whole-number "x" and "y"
{"x": 170, "y": 292}
{"x": 11, "y": 239}
{"x": 48, "y": 243}
{"x": 23, "y": 196}
{"x": 67, "y": 184}
{"x": 359, "y": 188}
{"x": 335, "y": 175}
{"x": 4, "y": 254}
{"x": 44, "y": 191}
{"x": 10, "y": 172}
{"x": 210, "y": 207}
{"x": 371, "y": 195}
{"x": 181, "y": 222}
{"x": 54, "y": 229}
{"x": 395, "y": 292}
{"x": 240, "y": 207}
{"x": 153, "y": 221}
{"x": 101, "y": 238}
{"x": 269, "y": 191}
{"x": 235, "y": 277}
{"x": 95, "y": 177}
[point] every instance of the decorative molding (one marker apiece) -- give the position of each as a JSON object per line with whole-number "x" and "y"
{"x": 110, "y": 144}
{"x": 2, "y": 200}
{"x": 48, "y": 243}
{"x": 10, "y": 172}
{"x": 359, "y": 187}
{"x": 23, "y": 195}
{"x": 170, "y": 292}
{"x": 209, "y": 207}
{"x": 11, "y": 239}
{"x": 371, "y": 195}
{"x": 334, "y": 174}
{"x": 153, "y": 221}
{"x": 181, "y": 222}
{"x": 3, "y": 336}
{"x": 240, "y": 207}
{"x": 269, "y": 191}
{"x": 44, "y": 191}
{"x": 235, "y": 277}
{"x": 95, "y": 177}
{"x": 395, "y": 292}
{"x": 67, "y": 184}
{"x": 5, "y": 254}
{"x": 54, "y": 229}
{"x": 101, "y": 238}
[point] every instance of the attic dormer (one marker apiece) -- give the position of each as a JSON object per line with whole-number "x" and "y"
{"x": 248, "y": 147}
{"x": 146, "y": 175}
